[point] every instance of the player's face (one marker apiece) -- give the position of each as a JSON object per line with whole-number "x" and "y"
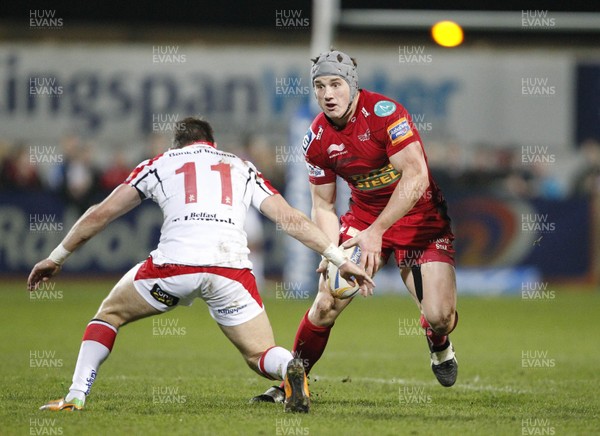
{"x": 333, "y": 95}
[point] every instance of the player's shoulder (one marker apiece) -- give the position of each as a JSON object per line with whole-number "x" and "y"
{"x": 314, "y": 134}
{"x": 382, "y": 106}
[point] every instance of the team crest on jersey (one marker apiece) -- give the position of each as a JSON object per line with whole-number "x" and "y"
{"x": 315, "y": 171}
{"x": 308, "y": 138}
{"x": 383, "y": 108}
{"x": 399, "y": 131}
{"x": 365, "y": 136}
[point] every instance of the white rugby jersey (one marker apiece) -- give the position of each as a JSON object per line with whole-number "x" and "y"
{"x": 204, "y": 194}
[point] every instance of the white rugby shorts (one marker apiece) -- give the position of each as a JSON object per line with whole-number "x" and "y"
{"x": 231, "y": 294}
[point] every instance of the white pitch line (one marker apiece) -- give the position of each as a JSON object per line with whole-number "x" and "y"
{"x": 413, "y": 382}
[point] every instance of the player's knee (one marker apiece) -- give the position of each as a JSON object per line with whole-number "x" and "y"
{"x": 323, "y": 313}
{"x": 443, "y": 322}
{"x": 112, "y": 315}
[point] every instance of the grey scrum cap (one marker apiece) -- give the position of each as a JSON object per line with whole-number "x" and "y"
{"x": 336, "y": 63}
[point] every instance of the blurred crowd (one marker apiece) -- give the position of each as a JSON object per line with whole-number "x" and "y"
{"x": 73, "y": 170}
{"x": 516, "y": 171}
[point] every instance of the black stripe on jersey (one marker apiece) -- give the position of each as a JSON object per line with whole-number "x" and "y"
{"x": 258, "y": 182}
{"x": 140, "y": 193}
{"x": 155, "y": 172}
{"x": 247, "y": 181}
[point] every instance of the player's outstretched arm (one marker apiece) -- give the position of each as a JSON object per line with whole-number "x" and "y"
{"x": 299, "y": 226}
{"x": 120, "y": 201}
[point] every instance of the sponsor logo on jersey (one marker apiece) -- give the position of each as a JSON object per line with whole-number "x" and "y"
{"x": 365, "y": 136}
{"x": 336, "y": 149}
{"x": 383, "y": 108}
{"x": 319, "y": 133}
{"x": 399, "y": 131}
{"x": 375, "y": 179}
{"x": 204, "y": 216}
{"x": 308, "y": 138}
{"x": 163, "y": 297}
{"x": 365, "y": 112}
{"x": 315, "y": 171}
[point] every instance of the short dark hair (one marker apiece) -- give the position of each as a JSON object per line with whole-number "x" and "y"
{"x": 190, "y": 130}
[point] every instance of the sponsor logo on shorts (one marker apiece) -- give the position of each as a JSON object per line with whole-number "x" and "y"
{"x": 163, "y": 297}
{"x": 375, "y": 179}
{"x": 231, "y": 309}
{"x": 399, "y": 131}
{"x": 442, "y": 243}
{"x": 383, "y": 108}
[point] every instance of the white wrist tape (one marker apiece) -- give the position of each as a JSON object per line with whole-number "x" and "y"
{"x": 335, "y": 255}
{"x": 59, "y": 255}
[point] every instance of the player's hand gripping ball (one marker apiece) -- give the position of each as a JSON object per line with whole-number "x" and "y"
{"x": 338, "y": 285}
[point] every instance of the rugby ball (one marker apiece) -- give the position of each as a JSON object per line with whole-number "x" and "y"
{"x": 338, "y": 285}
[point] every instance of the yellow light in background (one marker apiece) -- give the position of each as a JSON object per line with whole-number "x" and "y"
{"x": 447, "y": 33}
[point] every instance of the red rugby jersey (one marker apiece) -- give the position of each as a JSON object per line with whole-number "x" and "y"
{"x": 359, "y": 153}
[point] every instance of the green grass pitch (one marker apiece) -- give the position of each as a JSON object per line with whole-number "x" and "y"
{"x": 526, "y": 367}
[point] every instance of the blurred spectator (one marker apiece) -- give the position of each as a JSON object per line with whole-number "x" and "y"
{"x": 156, "y": 143}
{"x": 81, "y": 179}
{"x": 484, "y": 173}
{"x": 518, "y": 184}
{"x": 116, "y": 173}
{"x": 587, "y": 179}
{"x": 258, "y": 150}
{"x": 548, "y": 186}
{"x": 69, "y": 144}
{"x": 18, "y": 173}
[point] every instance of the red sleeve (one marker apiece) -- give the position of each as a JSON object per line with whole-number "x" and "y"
{"x": 318, "y": 173}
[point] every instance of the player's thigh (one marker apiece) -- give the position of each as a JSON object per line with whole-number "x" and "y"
{"x": 124, "y": 304}
{"x": 439, "y": 295}
{"x": 409, "y": 280}
{"x": 252, "y": 337}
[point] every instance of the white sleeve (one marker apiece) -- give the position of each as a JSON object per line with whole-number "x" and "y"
{"x": 261, "y": 187}
{"x": 143, "y": 178}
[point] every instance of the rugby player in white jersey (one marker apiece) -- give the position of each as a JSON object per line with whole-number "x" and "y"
{"x": 204, "y": 194}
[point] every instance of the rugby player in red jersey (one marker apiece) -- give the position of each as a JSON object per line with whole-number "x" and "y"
{"x": 396, "y": 209}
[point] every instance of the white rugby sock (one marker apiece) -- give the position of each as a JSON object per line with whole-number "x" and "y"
{"x": 273, "y": 363}
{"x": 98, "y": 340}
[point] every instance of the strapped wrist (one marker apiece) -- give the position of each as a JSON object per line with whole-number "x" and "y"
{"x": 59, "y": 255}
{"x": 335, "y": 255}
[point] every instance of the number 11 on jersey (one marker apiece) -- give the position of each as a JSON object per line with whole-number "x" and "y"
{"x": 190, "y": 183}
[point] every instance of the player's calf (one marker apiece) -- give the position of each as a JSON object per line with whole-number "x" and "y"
{"x": 443, "y": 360}
{"x": 273, "y": 363}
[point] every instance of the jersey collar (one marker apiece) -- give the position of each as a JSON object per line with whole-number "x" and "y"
{"x": 210, "y": 144}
